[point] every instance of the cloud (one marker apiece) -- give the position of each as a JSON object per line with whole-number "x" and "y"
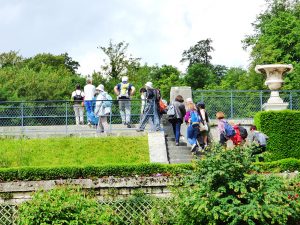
{"x": 157, "y": 31}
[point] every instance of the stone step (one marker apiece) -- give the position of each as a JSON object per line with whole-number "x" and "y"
{"x": 170, "y": 138}
{"x": 178, "y": 148}
{"x": 180, "y": 156}
{"x": 177, "y": 161}
{"x": 173, "y": 143}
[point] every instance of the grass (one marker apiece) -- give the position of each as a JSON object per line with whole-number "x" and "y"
{"x": 73, "y": 151}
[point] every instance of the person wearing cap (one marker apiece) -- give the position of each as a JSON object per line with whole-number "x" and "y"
{"x": 101, "y": 111}
{"x": 124, "y": 92}
{"x": 151, "y": 109}
{"x": 204, "y": 130}
{"x": 89, "y": 91}
{"x": 77, "y": 99}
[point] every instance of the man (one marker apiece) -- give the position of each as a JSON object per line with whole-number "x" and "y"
{"x": 151, "y": 108}
{"x": 89, "y": 92}
{"x": 124, "y": 92}
{"x": 77, "y": 99}
{"x": 260, "y": 139}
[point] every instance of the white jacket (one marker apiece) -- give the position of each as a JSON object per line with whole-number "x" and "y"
{"x": 99, "y": 109}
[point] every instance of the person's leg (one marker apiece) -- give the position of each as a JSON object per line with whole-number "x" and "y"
{"x": 127, "y": 105}
{"x": 81, "y": 110}
{"x": 104, "y": 123}
{"x": 223, "y": 139}
{"x": 177, "y": 130}
{"x": 122, "y": 110}
{"x": 145, "y": 117}
{"x": 156, "y": 117}
{"x": 76, "y": 111}
{"x": 88, "y": 107}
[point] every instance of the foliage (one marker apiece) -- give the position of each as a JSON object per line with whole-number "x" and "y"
{"x": 283, "y": 130}
{"x": 199, "y": 53}
{"x": 63, "y": 206}
{"x": 11, "y": 58}
{"x": 90, "y": 171}
{"x": 288, "y": 164}
{"x": 221, "y": 191}
{"x": 73, "y": 151}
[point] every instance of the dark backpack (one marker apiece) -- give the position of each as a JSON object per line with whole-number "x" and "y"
{"x": 243, "y": 132}
{"x": 78, "y": 98}
{"x": 229, "y": 130}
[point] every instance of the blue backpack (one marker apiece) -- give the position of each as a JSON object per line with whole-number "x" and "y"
{"x": 195, "y": 119}
{"x": 229, "y": 130}
{"x": 108, "y": 101}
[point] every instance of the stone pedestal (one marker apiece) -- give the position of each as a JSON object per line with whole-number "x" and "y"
{"x": 275, "y": 102}
{"x": 185, "y": 92}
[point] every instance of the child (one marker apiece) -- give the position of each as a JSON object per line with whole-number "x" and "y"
{"x": 237, "y": 138}
{"x": 192, "y": 130}
{"x": 260, "y": 139}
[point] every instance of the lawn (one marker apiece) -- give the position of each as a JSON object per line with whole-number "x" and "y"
{"x": 73, "y": 151}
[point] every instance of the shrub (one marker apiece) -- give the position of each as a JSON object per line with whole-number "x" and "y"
{"x": 222, "y": 190}
{"x": 63, "y": 206}
{"x": 289, "y": 164}
{"x": 283, "y": 129}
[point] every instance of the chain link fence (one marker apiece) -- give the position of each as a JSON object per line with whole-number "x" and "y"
{"x": 241, "y": 104}
{"x": 59, "y": 117}
{"x": 144, "y": 210}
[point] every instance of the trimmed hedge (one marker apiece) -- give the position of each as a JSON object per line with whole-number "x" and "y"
{"x": 289, "y": 164}
{"x": 51, "y": 173}
{"x": 283, "y": 129}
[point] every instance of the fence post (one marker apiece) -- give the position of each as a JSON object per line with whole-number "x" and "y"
{"x": 66, "y": 117}
{"x": 22, "y": 117}
{"x": 261, "y": 100}
{"x": 291, "y": 100}
{"x": 231, "y": 104}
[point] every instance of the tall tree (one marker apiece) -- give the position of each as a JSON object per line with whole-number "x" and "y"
{"x": 11, "y": 58}
{"x": 199, "y": 53}
{"x": 118, "y": 62}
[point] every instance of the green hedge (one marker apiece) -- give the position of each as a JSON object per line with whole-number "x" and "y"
{"x": 283, "y": 129}
{"x": 290, "y": 164}
{"x": 50, "y": 173}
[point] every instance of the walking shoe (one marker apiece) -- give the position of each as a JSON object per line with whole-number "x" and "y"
{"x": 89, "y": 124}
{"x": 128, "y": 125}
{"x": 177, "y": 144}
{"x": 194, "y": 146}
{"x": 139, "y": 130}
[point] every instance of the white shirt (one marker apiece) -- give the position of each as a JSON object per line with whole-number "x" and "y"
{"x": 77, "y": 92}
{"x": 89, "y": 92}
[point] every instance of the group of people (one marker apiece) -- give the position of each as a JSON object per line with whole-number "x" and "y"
{"x": 197, "y": 121}
{"x": 97, "y": 103}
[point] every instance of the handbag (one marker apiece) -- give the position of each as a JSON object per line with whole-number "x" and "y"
{"x": 203, "y": 126}
{"x": 171, "y": 112}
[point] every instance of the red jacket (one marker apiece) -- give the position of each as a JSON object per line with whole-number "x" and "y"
{"x": 236, "y": 139}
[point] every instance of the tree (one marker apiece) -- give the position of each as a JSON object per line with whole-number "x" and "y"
{"x": 118, "y": 62}
{"x": 198, "y": 75}
{"x": 11, "y": 58}
{"x": 198, "y": 53}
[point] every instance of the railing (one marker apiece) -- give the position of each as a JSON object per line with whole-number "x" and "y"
{"x": 127, "y": 211}
{"x": 241, "y": 104}
{"x": 58, "y": 117}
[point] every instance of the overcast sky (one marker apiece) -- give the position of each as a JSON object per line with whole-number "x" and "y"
{"x": 158, "y": 31}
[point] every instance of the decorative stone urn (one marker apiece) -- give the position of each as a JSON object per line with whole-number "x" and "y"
{"x": 274, "y": 81}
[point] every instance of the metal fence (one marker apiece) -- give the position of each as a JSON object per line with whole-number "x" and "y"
{"x": 58, "y": 117}
{"x": 241, "y": 104}
{"x": 151, "y": 210}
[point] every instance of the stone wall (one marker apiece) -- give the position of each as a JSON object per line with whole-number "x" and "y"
{"x": 105, "y": 188}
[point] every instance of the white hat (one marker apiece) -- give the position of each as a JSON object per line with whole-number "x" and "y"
{"x": 149, "y": 84}
{"x": 124, "y": 79}
{"x": 100, "y": 87}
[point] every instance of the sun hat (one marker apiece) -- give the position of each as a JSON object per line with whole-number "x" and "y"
{"x": 124, "y": 79}
{"x": 149, "y": 84}
{"x": 100, "y": 87}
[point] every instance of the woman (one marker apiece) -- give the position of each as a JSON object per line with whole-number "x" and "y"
{"x": 221, "y": 127}
{"x": 77, "y": 98}
{"x": 178, "y": 118}
{"x": 101, "y": 111}
{"x": 192, "y": 130}
{"x": 204, "y": 128}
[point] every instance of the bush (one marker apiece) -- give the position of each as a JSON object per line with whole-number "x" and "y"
{"x": 63, "y": 206}
{"x": 222, "y": 190}
{"x": 283, "y": 129}
{"x": 289, "y": 164}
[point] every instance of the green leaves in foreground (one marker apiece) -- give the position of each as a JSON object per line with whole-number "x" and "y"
{"x": 223, "y": 190}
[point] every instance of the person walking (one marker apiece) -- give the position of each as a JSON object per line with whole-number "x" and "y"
{"x": 77, "y": 98}
{"x": 204, "y": 126}
{"x": 124, "y": 92}
{"x": 101, "y": 110}
{"x": 178, "y": 118}
{"x": 192, "y": 129}
{"x": 151, "y": 109}
{"x": 89, "y": 91}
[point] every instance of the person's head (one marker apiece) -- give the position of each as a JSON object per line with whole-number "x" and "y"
{"x": 201, "y": 105}
{"x": 89, "y": 81}
{"x": 253, "y": 128}
{"x": 124, "y": 79}
{"x": 231, "y": 122}
{"x": 149, "y": 85}
{"x": 179, "y": 98}
{"x": 189, "y": 100}
{"x": 143, "y": 90}
{"x": 100, "y": 87}
{"x": 220, "y": 115}
{"x": 190, "y": 106}
{"x": 77, "y": 87}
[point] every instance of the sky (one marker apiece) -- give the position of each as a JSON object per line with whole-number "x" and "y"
{"x": 158, "y": 31}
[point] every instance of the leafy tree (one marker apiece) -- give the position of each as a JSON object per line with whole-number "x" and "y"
{"x": 11, "y": 58}
{"x": 199, "y": 53}
{"x": 198, "y": 75}
{"x": 118, "y": 62}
